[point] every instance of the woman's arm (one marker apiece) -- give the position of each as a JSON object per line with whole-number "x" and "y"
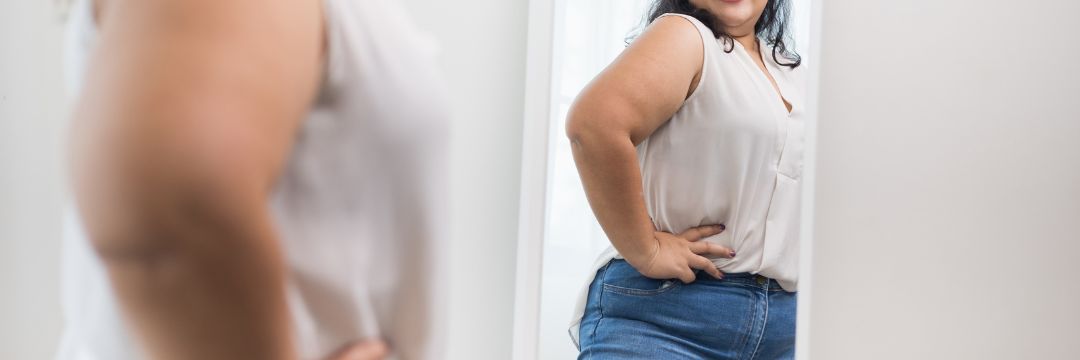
{"x": 186, "y": 118}
{"x": 622, "y": 106}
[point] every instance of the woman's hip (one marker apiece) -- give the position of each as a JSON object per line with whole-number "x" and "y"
{"x": 629, "y": 315}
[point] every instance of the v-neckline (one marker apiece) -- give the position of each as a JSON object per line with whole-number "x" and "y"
{"x": 766, "y": 75}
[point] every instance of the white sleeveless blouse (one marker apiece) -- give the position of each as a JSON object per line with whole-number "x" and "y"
{"x": 359, "y": 206}
{"x": 732, "y": 155}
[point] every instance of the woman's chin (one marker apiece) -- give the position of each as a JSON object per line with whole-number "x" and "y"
{"x": 734, "y": 21}
{"x": 735, "y": 15}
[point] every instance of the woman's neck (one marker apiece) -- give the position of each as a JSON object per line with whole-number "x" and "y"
{"x": 748, "y": 41}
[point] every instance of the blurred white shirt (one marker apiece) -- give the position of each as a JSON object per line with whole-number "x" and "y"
{"x": 359, "y": 207}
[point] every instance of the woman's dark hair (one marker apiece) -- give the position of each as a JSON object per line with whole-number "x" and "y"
{"x": 772, "y": 25}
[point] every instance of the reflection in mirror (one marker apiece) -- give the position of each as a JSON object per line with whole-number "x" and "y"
{"x": 588, "y": 36}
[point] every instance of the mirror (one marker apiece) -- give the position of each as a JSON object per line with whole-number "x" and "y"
{"x": 586, "y": 35}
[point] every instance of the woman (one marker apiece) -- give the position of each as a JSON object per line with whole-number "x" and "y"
{"x": 254, "y": 180}
{"x": 689, "y": 147}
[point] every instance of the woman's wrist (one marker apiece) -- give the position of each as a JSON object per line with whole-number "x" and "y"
{"x": 643, "y": 253}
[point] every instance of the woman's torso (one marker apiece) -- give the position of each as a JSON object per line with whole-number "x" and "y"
{"x": 358, "y": 206}
{"x": 732, "y": 155}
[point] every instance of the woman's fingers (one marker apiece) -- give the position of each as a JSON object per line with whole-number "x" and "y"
{"x": 708, "y": 249}
{"x": 686, "y": 275}
{"x": 365, "y": 350}
{"x": 697, "y": 233}
{"x": 699, "y": 262}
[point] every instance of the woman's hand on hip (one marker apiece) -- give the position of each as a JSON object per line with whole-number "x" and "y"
{"x": 675, "y": 256}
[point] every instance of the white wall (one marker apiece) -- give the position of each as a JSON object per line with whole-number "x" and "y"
{"x": 483, "y": 53}
{"x": 948, "y": 181}
{"x": 32, "y": 109}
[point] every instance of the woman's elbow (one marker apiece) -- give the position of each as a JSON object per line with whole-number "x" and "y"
{"x": 576, "y": 125}
{"x": 586, "y": 127}
{"x": 135, "y": 217}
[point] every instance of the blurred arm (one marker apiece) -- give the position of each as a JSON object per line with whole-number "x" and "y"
{"x": 186, "y": 119}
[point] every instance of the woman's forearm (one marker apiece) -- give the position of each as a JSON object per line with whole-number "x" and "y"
{"x": 607, "y": 163}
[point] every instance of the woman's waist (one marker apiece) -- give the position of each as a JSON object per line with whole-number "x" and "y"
{"x": 678, "y": 213}
{"x": 740, "y": 278}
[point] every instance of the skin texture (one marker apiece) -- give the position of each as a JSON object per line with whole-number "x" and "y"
{"x": 627, "y": 102}
{"x": 188, "y": 114}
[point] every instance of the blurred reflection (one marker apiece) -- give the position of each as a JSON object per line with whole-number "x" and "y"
{"x": 255, "y": 180}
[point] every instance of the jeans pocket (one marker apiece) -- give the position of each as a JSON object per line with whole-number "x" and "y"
{"x": 622, "y": 278}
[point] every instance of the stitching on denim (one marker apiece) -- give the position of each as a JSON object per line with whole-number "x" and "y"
{"x": 748, "y": 326}
{"x": 777, "y": 287}
{"x": 748, "y": 286}
{"x": 600, "y": 308}
{"x": 764, "y": 320}
{"x": 640, "y": 292}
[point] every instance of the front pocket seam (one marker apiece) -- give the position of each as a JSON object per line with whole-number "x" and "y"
{"x": 640, "y": 292}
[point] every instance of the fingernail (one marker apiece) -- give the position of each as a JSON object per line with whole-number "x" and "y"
{"x": 722, "y": 227}
{"x": 732, "y": 253}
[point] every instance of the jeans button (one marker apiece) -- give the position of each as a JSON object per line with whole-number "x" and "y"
{"x": 761, "y": 280}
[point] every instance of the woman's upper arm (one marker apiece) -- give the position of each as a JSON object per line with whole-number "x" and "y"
{"x": 644, "y": 86}
{"x": 207, "y": 88}
{"x": 193, "y": 101}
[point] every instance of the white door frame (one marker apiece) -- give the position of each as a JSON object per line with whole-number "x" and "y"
{"x": 535, "y": 174}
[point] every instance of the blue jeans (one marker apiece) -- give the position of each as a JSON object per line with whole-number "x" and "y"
{"x": 740, "y": 317}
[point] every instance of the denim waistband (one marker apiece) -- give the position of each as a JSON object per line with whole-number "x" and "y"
{"x": 743, "y": 278}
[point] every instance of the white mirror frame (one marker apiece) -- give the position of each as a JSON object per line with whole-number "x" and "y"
{"x": 536, "y": 172}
